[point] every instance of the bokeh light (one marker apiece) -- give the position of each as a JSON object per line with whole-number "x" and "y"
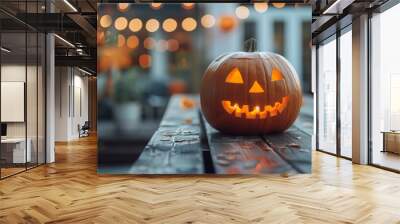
{"x": 145, "y": 60}
{"x": 261, "y": 7}
{"x": 132, "y": 42}
{"x": 242, "y": 12}
{"x": 123, "y": 7}
{"x": 227, "y": 23}
{"x": 100, "y": 37}
{"x": 188, "y": 5}
{"x": 162, "y": 45}
{"x": 279, "y": 5}
{"x": 152, "y": 25}
{"x": 208, "y": 21}
{"x": 149, "y": 43}
{"x": 189, "y": 24}
{"x": 169, "y": 25}
{"x": 155, "y": 5}
{"x": 105, "y": 21}
{"x": 114, "y": 57}
{"x": 173, "y": 45}
{"x": 121, "y": 40}
{"x": 121, "y": 23}
{"x": 135, "y": 25}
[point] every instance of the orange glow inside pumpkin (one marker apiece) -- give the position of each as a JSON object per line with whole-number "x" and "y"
{"x": 256, "y": 88}
{"x": 276, "y": 75}
{"x": 234, "y": 77}
{"x": 256, "y": 112}
{"x": 261, "y": 112}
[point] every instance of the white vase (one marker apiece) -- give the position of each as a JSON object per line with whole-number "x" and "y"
{"x": 127, "y": 115}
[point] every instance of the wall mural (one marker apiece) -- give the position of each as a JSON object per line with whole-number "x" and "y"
{"x": 200, "y": 88}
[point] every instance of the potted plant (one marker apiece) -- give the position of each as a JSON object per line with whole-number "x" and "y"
{"x": 126, "y": 95}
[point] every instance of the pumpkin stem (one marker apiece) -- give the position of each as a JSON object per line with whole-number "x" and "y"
{"x": 251, "y": 45}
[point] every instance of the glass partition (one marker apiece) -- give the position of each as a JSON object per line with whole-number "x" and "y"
{"x": 13, "y": 108}
{"x": 22, "y": 88}
{"x": 31, "y": 99}
{"x": 327, "y": 96}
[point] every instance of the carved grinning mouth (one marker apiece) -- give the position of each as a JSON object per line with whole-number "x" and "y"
{"x": 257, "y": 112}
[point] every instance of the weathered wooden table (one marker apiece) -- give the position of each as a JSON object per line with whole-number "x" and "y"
{"x": 186, "y": 144}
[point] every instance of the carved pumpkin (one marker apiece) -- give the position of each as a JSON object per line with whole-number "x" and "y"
{"x": 250, "y": 93}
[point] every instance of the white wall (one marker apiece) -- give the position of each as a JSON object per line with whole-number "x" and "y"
{"x": 16, "y": 73}
{"x": 71, "y": 94}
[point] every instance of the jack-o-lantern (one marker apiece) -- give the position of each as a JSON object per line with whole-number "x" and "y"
{"x": 250, "y": 93}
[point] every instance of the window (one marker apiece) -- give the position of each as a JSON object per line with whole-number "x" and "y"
{"x": 385, "y": 89}
{"x": 346, "y": 94}
{"x": 327, "y": 96}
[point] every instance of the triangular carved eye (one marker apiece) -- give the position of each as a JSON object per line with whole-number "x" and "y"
{"x": 276, "y": 75}
{"x": 234, "y": 77}
{"x": 256, "y": 88}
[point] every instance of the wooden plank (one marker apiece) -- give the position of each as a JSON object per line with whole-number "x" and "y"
{"x": 176, "y": 114}
{"x": 294, "y": 146}
{"x": 243, "y": 154}
{"x": 175, "y": 147}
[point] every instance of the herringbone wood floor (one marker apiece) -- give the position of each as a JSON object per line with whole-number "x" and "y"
{"x": 70, "y": 191}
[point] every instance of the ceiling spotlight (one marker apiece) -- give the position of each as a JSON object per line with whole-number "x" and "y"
{"x": 65, "y": 41}
{"x": 5, "y": 50}
{"x": 84, "y": 71}
{"x": 70, "y": 5}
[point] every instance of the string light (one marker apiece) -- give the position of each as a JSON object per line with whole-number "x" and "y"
{"x": 132, "y": 42}
{"x": 261, "y": 7}
{"x": 155, "y": 5}
{"x": 189, "y": 24}
{"x": 169, "y": 25}
{"x": 188, "y": 5}
{"x": 152, "y": 25}
{"x": 121, "y": 23}
{"x": 208, "y": 21}
{"x": 242, "y": 12}
{"x": 135, "y": 25}
{"x": 279, "y": 5}
{"x": 105, "y": 21}
{"x": 122, "y": 7}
